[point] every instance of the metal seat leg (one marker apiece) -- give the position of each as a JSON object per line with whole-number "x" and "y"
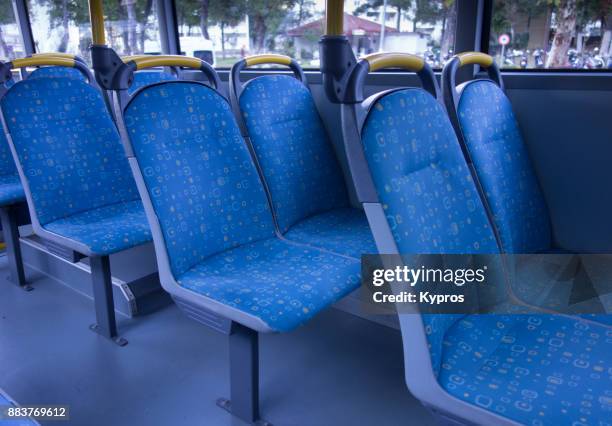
{"x": 106, "y": 324}
{"x": 10, "y": 228}
{"x": 244, "y": 376}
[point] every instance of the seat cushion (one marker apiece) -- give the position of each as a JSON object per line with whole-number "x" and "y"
{"x": 11, "y": 191}
{"x": 295, "y": 154}
{"x": 503, "y": 166}
{"x": 281, "y": 283}
{"x": 544, "y": 369}
{"x": 344, "y": 231}
{"x": 106, "y": 230}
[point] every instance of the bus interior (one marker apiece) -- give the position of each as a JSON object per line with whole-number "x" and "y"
{"x": 227, "y": 212}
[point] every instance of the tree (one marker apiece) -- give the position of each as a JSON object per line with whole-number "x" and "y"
{"x": 565, "y": 13}
{"x": 6, "y": 17}
{"x": 62, "y": 13}
{"x": 265, "y": 17}
{"x": 449, "y": 25}
{"x": 227, "y": 13}
{"x": 400, "y": 6}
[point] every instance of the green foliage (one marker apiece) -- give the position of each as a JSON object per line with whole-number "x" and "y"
{"x": 227, "y": 12}
{"x": 6, "y": 12}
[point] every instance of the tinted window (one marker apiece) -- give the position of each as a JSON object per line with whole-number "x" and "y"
{"x": 552, "y": 34}
{"x": 11, "y": 45}
{"x": 230, "y": 30}
{"x": 63, "y": 26}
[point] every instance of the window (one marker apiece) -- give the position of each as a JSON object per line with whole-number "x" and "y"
{"x": 11, "y": 44}
{"x": 63, "y": 26}
{"x": 227, "y": 30}
{"x": 539, "y": 34}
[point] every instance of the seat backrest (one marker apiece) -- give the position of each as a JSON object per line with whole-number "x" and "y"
{"x": 294, "y": 152}
{"x": 496, "y": 148}
{"x": 423, "y": 182}
{"x": 203, "y": 185}
{"x": 7, "y": 164}
{"x": 67, "y": 146}
{"x": 144, "y": 78}
{"x": 53, "y": 71}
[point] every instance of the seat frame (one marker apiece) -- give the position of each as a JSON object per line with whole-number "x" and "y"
{"x": 243, "y": 331}
{"x": 12, "y": 216}
{"x": 101, "y": 277}
{"x": 421, "y": 381}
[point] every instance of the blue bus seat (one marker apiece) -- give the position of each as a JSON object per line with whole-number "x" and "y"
{"x": 504, "y": 168}
{"x": 490, "y": 135}
{"x": 550, "y": 369}
{"x": 485, "y": 369}
{"x": 215, "y": 240}
{"x": 144, "y": 78}
{"x": 300, "y": 168}
{"x": 11, "y": 191}
{"x": 82, "y": 192}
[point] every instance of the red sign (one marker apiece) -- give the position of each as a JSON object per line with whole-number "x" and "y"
{"x": 504, "y": 39}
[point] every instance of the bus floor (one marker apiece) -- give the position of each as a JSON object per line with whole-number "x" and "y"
{"x": 336, "y": 370}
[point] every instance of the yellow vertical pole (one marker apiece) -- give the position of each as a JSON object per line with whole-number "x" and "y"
{"x": 96, "y": 15}
{"x": 334, "y": 17}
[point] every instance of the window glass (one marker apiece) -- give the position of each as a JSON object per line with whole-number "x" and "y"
{"x": 11, "y": 45}
{"x": 227, "y": 30}
{"x": 540, "y": 34}
{"x": 63, "y": 26}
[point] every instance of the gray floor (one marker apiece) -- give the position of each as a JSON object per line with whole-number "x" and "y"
{"x": 337, "y": 370}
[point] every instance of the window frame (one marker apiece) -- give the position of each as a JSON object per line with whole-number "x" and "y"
{"x": 485, "y": 39}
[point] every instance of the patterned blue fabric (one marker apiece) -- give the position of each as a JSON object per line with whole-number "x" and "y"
{"x": 144, "y": 78}
{"x": 74, "y": 163}
{"x": 54, "y": 71}
{"x": 344, "y": 231}
{"x": 536, "y": 370}
{"x": 422, "y": 178}
{"x": 7, "y": 164}
{"x": 504, "y": 169}
{"x": 292, "y": 147}
{"x": 11, "y": 191}
{"x": 425, "y": 187}
{"x": 68, "y": 147}
{"x": 201, "y": 179}
{"x": 284, "y": 284}
{"x": 106, "y": 230}
{"x": 214, "y": 215}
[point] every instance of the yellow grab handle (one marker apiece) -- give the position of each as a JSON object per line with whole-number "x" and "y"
{"x": 151, "y": 61}
{"x": 132, "y": 57}
{"x": 267, "y": 58}
{"x": 54, "y": 55}
{"x": 37, "y": 61}
{"x": 475, "y": 58}
{"x": 405, "y": 61}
